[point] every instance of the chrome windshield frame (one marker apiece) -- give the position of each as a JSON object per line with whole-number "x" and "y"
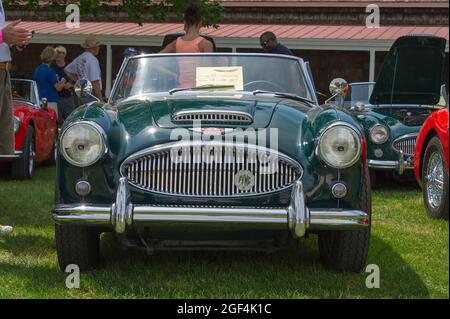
{"x": 35, "y": 91}
{"x": 301, "y": 65}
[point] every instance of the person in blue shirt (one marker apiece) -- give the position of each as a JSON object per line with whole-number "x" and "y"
{"x": 47, "y": 81}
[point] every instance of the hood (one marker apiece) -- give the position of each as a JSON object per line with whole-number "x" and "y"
{"x": 168, "y": 112}
{"x": 142, "y": 124}
{"x": 412, "y": 72}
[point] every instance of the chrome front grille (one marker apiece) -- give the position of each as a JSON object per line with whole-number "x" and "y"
{"x": 210, "y": 170}
{"x": 213, "y": 117}
{"x": 407, "y": 144}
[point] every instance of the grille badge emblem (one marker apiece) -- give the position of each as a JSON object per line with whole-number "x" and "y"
{"x": 244, "y": 180}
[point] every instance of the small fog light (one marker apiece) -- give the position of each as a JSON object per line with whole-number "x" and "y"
{"x": 83, "y": 188}
{"x": 339, "y": 190}
{"x": 378, "y": 153}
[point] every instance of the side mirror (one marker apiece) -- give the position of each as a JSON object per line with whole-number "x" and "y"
{"x": 44, "y": 104}
{"x": 339, "y": 87}
{"x": 83, "y": 88}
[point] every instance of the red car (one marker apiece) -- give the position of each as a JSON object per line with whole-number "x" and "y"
{"x": 35, "y": 128}
{"x": 431, "y": 166}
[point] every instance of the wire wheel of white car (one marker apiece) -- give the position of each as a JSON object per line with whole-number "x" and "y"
{"x": 435, "y": 180}
{"x": 23, "y": 168}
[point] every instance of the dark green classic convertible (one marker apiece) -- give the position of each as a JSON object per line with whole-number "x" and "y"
{"x": 413, "y": 69}
{"x": 213, "y": 151}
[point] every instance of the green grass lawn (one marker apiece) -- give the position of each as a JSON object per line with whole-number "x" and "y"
{"x": 410, "y": 249}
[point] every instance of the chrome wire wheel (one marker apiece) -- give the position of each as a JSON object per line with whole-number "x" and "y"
{"x": 434, "y": 183}
{"x": 435, "y": 180}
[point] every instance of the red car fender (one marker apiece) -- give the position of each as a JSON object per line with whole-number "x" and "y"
{"x": 436, "y": 124}
{"x": 25, "y": 118}
{"x": 44, "y": 142}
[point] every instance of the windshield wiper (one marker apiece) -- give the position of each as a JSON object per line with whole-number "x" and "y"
{"x": 286, "y": 95}
{"x": 203, "y": 87}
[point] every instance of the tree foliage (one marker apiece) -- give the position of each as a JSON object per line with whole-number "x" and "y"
{"x": 137, "y": 10}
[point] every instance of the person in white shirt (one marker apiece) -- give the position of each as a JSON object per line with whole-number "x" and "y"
{"x": 10, "y": 34}
{"x": 87, "y": 67}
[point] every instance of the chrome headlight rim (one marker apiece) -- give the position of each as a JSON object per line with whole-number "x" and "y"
{"x": 97, "y": 128}
{"x": 375, "y": 127}
{"x": 17, "y": 124}
{"x": 354, "y": 131}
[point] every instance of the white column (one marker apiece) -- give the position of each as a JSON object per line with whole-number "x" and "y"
{"x": 372, "y": 65}
{"x": 108, "y": 69}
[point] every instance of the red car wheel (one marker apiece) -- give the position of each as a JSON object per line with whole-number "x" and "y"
{"x": 23, "y": 168}
{"x": 435, "y": 180}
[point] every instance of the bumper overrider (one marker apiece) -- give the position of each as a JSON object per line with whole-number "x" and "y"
{"x": 400, "y": 165}
{"x": 297, "y": 217}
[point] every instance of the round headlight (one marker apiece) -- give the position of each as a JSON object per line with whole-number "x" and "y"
{"x": 16, "y": 124}
{"x": 379, "y": 134}
{"x": 82, "y": 144}
{"x": 340, "y": 146}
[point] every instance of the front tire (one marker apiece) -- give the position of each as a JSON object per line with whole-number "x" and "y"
{"x": 23, "y": 168}
{"x": 435, "y": 180}
{"x": 77, "y": 245}
{"x": 347, "y": 250}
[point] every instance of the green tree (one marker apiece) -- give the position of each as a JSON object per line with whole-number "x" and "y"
{"x": 137, "y": 10}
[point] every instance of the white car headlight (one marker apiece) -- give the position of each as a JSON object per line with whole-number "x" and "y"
{"x": 16, "y": 124}
{"x": 379, "y": 134}
{"x": 339, "y": 146}
{"x": 83, "y": 144}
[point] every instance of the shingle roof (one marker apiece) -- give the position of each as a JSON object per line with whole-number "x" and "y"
{"x": 341, "y": 32}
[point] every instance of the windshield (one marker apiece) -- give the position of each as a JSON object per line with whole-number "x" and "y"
{"x": 219, "y": 72}
{"x": 23, "y": 90}
{"x": 359, "y": 92}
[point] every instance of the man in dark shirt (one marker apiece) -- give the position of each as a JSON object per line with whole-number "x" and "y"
{"x": 66, "y": 102}
{"x": 269, "y": 43}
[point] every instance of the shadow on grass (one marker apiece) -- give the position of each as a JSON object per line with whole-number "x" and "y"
{"x": 387, "y": 180}
{"x": 287, "y": 274}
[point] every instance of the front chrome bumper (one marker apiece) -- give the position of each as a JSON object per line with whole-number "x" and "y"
{"x": 16, "y": 155}
{"x": 297, "y": 217}
{"x": 400, "y": 166}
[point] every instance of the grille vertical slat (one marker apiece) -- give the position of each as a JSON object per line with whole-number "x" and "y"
{"x": 407, "y": 144}
{"x": 211, "y": 171}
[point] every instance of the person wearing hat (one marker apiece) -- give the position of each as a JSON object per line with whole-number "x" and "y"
{"x": 66, "y": 102}
{"x": 87, "y": 67}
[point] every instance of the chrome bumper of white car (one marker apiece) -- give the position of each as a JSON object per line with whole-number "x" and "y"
{"x": 400, "y": 166}
{"x": 297, "y": 218}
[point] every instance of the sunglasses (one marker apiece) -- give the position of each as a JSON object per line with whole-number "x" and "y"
{"x": 263, "y": 44}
